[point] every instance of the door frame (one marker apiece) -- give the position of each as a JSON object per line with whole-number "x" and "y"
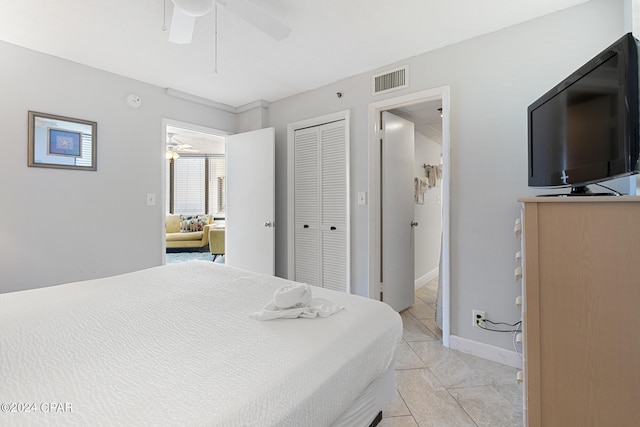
{"x": 291, "y": 128}
{"x": 375, "y": 108}
{"x": 163, "y": 173}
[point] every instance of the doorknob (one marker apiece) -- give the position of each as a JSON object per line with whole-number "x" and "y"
{"x": 414, "y": 223}
{"x": 270, "y": 224}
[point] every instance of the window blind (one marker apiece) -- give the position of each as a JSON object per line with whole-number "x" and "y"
{"x": 189, "y": 185}
{"x": 192, "y": 194}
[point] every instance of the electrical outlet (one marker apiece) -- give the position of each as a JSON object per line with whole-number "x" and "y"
{"x": 479, "y": 317}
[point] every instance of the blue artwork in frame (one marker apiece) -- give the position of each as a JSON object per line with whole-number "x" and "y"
{"x": 65, "y": 142}
{"x": 62, "y": 142}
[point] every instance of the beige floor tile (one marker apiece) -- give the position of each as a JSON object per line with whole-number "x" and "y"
{"x": 422, "y": 310}
{"x": 487, "y": 407}
{"x": 433, "y": 327}
{"x": 448, "y": 366}
{"x": 398, "y": 422}
{"x": 442, "y": 387}
{"x": 501, "y": 374}
{"x": 397, "y": 408}
{"x": 406, "y": 358}
{"x": 427, "y": 294}
{"x": 429, "y": 402}
{"x": 511, "y": 392}
{"x": 414, "y": 329}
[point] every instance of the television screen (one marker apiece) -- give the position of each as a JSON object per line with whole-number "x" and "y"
{"x": 585, "y": 130}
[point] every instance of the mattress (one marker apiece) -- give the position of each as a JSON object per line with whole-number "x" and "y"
{"x": 174, "y": 345}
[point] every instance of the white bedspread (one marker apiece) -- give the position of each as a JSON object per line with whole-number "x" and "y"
{"x": 174, "y": 345}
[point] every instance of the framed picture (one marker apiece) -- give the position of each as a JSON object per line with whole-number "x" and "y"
{"x": 61, "y": 142}
{"x": 64, "y": 142}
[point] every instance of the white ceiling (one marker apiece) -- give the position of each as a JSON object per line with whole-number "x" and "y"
{"x": 330, "y": 39}
{"x": 426, "y": 118}
{"x": 187, "y": 141}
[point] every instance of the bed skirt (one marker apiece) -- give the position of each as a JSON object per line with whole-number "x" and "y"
{"x": 376, "y": 397}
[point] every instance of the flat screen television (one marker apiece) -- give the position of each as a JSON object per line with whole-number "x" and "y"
{"x": 587, "y": 128}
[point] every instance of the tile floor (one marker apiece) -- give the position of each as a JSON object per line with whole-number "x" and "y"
{"x": 440, "y": 387}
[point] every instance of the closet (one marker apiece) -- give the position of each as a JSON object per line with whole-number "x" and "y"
{"x": 321, "y": 206}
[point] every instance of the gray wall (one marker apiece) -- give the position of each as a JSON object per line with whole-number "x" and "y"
{"x": 429, "y": 215}
{"x": 64, "y": 225}
{"x": 493, "y": 79}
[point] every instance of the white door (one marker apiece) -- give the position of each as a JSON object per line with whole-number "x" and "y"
{"x": 250, "y": 210}
{"x": 397, "y": 246}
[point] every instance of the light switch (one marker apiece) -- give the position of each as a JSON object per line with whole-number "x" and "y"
{"x": 151, "y": 199}
{"x": 362, "y": 198}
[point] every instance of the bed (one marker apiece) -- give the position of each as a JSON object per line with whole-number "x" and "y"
{"x": 174, "y": 345}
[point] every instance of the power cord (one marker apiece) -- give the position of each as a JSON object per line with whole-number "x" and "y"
{"x": 617, "y": 193}
{"x": 518, "y": 323}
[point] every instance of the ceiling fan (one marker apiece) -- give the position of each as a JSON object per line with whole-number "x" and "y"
{"x": 175, "y": 145}
{"x": 185, "y": 13}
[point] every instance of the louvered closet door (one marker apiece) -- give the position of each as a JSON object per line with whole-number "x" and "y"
{"x": 321, "y": 206}
{"x": 307, "y": 207}
{"x": 334, "y": 206}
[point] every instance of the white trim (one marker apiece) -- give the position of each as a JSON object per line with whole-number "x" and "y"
{"x": 260, "y": 103}
{"x": 375, "y": 108}
{"x": 423, "y": 280}
{"x": 189, "y": 126}
{"x": 486, "y": 351}
{"x": 253, "y": 105}
{"x": 199, "y": 100}
{"x": 291, "y": 128}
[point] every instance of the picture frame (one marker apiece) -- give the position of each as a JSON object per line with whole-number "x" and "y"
{"x": 61, "y": 142}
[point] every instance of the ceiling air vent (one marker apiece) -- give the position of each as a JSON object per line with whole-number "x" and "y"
{"x": 391, "y": 80}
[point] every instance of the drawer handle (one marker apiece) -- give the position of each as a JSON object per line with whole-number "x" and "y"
{"x": 518, "y": 273}
{"x": 305, "y": 226}
{"x": 333, "y": 228}
{"x": 517, "y": 229}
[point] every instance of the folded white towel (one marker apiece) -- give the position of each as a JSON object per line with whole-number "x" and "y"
{"x": 292, "y": 296}
{"x": 294, "y": 301}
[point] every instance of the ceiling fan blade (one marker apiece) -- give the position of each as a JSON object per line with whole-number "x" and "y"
{"x": 259, "y": 18}
{"x": 181, "y": 27}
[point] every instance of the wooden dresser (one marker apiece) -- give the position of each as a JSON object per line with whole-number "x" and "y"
{"x": 581, "y": 287}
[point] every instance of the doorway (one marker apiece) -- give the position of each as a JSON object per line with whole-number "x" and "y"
{"x": 193, "y": 172}
{"x": 248, "y": 168}
{"x": 376, "y": 215}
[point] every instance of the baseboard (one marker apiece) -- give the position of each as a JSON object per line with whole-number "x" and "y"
{"x": 486, "y": 351}
{"x": 423, "y": 280}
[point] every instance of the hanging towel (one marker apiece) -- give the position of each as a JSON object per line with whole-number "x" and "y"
{"x": 420, "y": 186}
{"x": 295, "y": 301}
{"x": 431, "y": 175}
{"x": 439, "y": 172}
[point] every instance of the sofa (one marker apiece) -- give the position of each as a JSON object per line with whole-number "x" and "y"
{"x": 188, "y": 232}
{"x": 216, "y": 241}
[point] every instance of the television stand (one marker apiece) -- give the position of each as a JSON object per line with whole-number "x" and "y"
{"x": 581, "y": 323}
{"x": 581, "y": 190}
